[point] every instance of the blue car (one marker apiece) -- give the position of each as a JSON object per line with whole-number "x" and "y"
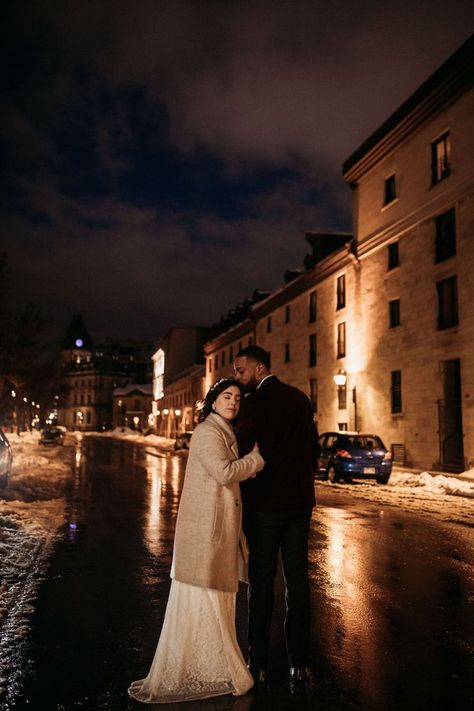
{"x": 353, "y": 455}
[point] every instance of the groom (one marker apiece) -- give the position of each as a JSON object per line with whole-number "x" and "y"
{"x": 277, "y": 507}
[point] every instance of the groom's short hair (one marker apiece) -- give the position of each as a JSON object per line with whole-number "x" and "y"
{"x": 256, "y": 353}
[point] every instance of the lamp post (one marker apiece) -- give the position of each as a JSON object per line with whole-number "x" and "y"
{"x": 341, "y": 380}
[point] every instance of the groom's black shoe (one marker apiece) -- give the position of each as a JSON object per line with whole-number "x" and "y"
{"x": 301, "y": 678}
{"x": 260, "y": 678}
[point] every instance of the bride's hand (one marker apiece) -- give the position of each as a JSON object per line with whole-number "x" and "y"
{"x": 255, "y": 448}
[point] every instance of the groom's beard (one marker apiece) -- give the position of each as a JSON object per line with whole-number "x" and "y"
{"x": 250, "y": 386}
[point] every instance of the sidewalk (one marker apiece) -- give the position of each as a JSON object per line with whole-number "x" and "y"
{"x": 463, "y": 476}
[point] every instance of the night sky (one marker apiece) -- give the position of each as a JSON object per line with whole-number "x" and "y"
{"x": 160, "y": 160}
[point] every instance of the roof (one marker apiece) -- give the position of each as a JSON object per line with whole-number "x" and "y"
{"x": 453, "y": 78}
{"x": 146, "y": 389}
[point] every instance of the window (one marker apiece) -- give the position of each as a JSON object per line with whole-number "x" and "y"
{"x": 250, "y": 340}
{"x": 313, "y": 355}
{"x": 223, "y": 358}
{"x": 396, "y": 391}
{"x": 287, "y": 352}
{"x": 210, "y": 365}
{"x": 341, "y": 292}
{"x": 231, "y": 354}
{"x": 216, "y": 363}
{"x": 342, "y": 397}
{"x": 447, "y": 303}
{"x": 440, "y": 158}
{"x": 394, "y": 313}
{"x": 313, "y": 393}
{"x": 287, "y": 314}
{"x": 312, "y": 307}
{"x": 137, "y": 405}
{"x": 393, "y": 256}
{"x": 342, "y": 426}
{"x": 390, "y": 192}
{"x": 445, "y": 236}
{"x": 269, "y": 324}
{"x": 88, "y": 416}
{"x": 341, "y": 340}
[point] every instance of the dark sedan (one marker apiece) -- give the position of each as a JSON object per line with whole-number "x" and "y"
{"x": 353, "y": 455}
{"x": 52, "y": 435}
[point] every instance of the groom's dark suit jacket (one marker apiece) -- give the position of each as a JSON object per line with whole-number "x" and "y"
{"x": 279, "y": 418}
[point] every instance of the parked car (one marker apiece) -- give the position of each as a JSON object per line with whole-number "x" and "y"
{"x": 183, "y": 440}
{"x": 6, "y": 459}
{"x": 353, "y": 455}
{"x": 52, "y": 435}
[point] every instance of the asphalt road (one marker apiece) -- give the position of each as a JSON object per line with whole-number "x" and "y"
{"x": 392, "y": 599}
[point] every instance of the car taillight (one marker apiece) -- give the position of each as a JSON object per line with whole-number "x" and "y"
{"x": 387, "y": 455}
{"x": 344, "y": 453}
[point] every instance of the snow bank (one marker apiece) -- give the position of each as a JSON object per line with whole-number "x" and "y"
{"x": 130, "y": 435}
{"x": 32, "y": 510}
{"x": 434, "y": 484}
{"x": 444, "y": 497}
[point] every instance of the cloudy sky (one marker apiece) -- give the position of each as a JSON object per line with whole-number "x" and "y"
{"x": 162, "y": 159}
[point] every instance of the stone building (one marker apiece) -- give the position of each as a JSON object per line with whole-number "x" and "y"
{"x": 178, "y": 372}
{"x": 388, "y": 314}
{"x": 413, "y": 358}
{"x": 132, "y": 406}
{"x": 90, "y": 374}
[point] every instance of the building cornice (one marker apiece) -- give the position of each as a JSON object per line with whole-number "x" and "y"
{"x": 452, "y": 79}
{"x": 238, "y": 331}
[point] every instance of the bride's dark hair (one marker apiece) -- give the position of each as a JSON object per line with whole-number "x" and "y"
{"x": 214, "y": 392}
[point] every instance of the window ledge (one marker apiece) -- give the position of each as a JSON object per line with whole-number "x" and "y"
{"x": 448, "y": 329}
{"x": 389, "y": 204}
{"x": 397, "y": 415}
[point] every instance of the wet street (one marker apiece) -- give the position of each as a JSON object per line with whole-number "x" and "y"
{"x": 392, "y": 598}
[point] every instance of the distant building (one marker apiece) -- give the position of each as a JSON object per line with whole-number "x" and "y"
{"x": 132, "y": 406}
{"x": 90, "y": 374}
{"x": 178, "y": 372}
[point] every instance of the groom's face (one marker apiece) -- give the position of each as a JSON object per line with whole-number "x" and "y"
{"x": 246, "y": 372}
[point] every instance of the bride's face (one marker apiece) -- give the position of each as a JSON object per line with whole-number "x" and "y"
{"x": 227, "y": 404}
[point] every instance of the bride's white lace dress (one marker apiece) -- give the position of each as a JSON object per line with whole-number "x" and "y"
{"x": 198, "y": 655}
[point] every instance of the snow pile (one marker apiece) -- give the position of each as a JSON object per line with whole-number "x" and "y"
{"x": 130, "y": 435}
{"x": 443, "y": 497}
{"x": 32, "y": 510}
{"x": 433, "y": 484}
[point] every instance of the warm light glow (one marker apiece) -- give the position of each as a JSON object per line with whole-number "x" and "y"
{"x": 13, "y": 393}
{"x": 25, "y": 399}
{"x": 136, "y": 420}
{"x": 177, "y": 413}
{"x": 158, "y": 374}
{"x": 166, "y": 411}
{"x": 340, "y": 378}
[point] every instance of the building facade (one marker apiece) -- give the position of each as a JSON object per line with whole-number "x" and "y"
{"x": 413, "y": 183}
{"x": 90, "y": 374}
{"x": 178, "y": 374}
{"x": 132, "y": 406}
{"x": 388, "y": 314}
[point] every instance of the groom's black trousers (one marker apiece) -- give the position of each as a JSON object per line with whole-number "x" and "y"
{"x": 269, "y": 534}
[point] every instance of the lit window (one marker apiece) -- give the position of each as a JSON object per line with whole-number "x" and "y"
{"x": 440, "y": 158}
{"x": 341, "y": 340}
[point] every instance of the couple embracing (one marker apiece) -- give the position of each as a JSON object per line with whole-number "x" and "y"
{"x": 250, "y": 467}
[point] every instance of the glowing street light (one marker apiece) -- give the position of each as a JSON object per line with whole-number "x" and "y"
{"x": 340, "y": 378}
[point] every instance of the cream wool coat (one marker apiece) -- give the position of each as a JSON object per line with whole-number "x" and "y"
{"x": 208, "y": 527}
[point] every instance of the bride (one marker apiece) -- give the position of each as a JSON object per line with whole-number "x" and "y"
{"x": 198, "y": 655}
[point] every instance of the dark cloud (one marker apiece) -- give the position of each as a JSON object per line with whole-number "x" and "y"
{"x": 163, "y": 159}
